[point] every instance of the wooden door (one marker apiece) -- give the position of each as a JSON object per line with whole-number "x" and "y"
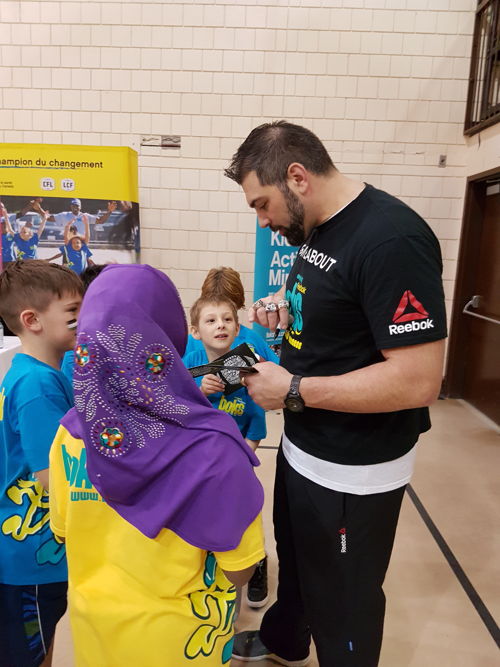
{"x": 474, "y": 359}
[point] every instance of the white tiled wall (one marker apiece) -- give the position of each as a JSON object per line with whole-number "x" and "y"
{"x": 382, "y": 82}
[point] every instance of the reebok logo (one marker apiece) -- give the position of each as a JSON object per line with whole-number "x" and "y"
{"x": 411, "y": 317}
{"x": 343, "y": 541}
{"x": 410, "y": 326}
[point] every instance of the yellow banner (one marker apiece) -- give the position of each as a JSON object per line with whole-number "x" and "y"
{"x": 53, "y": 170}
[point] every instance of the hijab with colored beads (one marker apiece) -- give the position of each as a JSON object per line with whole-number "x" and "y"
{"x": 157, "y": 451}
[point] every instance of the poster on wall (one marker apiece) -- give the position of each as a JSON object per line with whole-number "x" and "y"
{"x": 274, "y": 258}
{"x": 74, "y": 205}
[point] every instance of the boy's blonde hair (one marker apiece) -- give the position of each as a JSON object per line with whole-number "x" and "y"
{"x": 203, "y": 301}
{"x": 33, "y": 284}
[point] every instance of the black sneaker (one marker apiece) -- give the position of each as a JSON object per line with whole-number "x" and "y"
{"x": 257, "y": 595}
{"x": 248, "y": 647}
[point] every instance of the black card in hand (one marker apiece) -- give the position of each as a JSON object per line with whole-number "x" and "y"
{"x": 229, "y": 366}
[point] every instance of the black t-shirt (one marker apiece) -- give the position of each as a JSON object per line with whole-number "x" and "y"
{"x": 366, "y": 280}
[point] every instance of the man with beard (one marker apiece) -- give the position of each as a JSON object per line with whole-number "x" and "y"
{"x": 361, "y": 360}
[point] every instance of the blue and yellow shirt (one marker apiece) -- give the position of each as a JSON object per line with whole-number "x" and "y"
{"x": 76, "y": 260}
{"x": 33, "y": 398}
{"x": 134, "y": 600}
{"x": 26, "y": 249}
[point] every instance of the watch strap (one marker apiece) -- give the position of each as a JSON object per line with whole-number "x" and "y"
{"x": 294, "y": 386}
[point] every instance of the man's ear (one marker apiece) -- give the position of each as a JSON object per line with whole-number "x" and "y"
{"x": 194, "y": 332}
{"x": 297, "y": 178}
{"x": 30, "y": 320}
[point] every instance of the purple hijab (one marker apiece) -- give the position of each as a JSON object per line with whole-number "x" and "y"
{"x": 157, "y": 451}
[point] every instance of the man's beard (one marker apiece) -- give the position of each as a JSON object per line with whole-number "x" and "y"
{"x": 294, "y": 233}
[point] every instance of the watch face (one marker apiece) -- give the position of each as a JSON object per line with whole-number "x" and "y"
{"x": 294, "y": 404}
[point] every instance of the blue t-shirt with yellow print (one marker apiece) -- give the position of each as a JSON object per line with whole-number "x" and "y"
{"x": 33, "y": 398}
{"x": 250, "y": 417}
{"x": 76, "y": 260}
{"x": 27, "y": 249}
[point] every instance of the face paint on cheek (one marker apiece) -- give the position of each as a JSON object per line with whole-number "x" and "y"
{"x": 72, "y": 324}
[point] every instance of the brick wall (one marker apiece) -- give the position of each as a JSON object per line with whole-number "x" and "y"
{"x": 382, "y": 82}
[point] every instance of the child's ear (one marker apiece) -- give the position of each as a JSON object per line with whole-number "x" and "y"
{"x": 30, "y": 321}
{"x": 238, "y": 328}
{"x": 194, "y": 332}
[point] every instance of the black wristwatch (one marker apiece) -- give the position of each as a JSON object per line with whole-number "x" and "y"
{"x": 293, "y": 400}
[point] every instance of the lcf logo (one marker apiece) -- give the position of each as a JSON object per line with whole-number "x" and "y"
{"x": 410, "y": 315}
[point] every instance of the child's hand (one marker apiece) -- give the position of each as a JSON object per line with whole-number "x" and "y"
{"x": 211, "y": 384}
{"x": 252, "y": 443}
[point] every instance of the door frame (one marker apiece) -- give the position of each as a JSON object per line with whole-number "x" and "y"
{"x": 468, "y": 259}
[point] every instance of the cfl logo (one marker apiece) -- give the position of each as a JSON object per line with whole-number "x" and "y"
{"x": 47, "y": 183}
{"x": 68, "y": 184}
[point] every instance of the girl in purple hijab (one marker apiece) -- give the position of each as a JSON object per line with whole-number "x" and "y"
{"x": 153, "y": 490}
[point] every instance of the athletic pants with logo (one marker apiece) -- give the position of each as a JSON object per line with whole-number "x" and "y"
{"x": 329, "y": 586}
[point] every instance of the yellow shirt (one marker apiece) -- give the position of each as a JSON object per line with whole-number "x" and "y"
{"x": 135, "y": 601}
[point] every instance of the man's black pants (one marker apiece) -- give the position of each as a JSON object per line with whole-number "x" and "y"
{"x": 333, "y": 551}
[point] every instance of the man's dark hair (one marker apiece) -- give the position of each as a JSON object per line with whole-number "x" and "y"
{"x": 33, "y": 283}
{"x": 272, "y": 147}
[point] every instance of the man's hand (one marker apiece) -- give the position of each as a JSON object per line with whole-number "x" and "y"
{"x": 270, "y": 311}
{"x": 269, "y": 386}
{"x": 211, "y": 384}
{"x": 36, "y": 206}
{"x": 112, "y": 205}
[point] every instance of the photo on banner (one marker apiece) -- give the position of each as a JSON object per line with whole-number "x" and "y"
{"x": 274, "y": 257}
{"x": 74, "y": 205}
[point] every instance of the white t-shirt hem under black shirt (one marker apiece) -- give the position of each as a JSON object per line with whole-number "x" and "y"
{"x": 359, "y": 480}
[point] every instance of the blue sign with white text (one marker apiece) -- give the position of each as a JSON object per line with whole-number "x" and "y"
{"x": 274, "y": 257}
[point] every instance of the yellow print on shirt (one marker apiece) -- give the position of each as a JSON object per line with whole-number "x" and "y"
{"x": 295, "y": 298}
{"x": 2, "y": 401}
{"x": 31, "y": 518}
{"x": 234, "y": 407}
{"x": 214, "y": 605}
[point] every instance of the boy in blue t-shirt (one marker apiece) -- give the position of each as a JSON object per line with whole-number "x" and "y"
{"x": 77, "y": 254}
{"x": 75, "y": 251}
{"x": 40, "y": 303}
{"x": 27, "y": 239}
{"x": 215, "y": 323}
